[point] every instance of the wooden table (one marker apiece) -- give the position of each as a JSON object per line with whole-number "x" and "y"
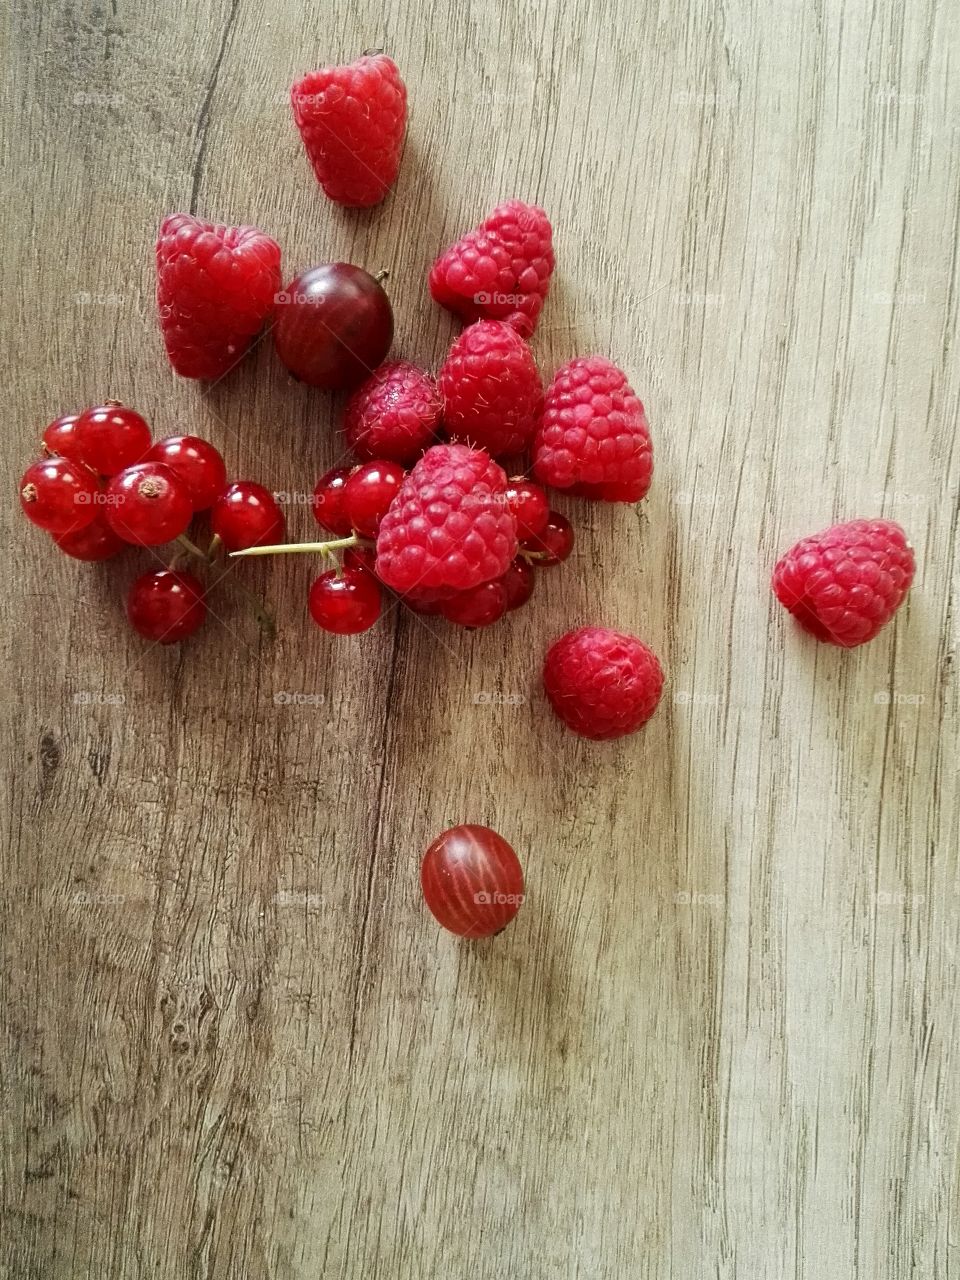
{"x": 721, "y": 1038}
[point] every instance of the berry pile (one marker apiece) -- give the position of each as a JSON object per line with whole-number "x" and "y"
{"x": 446, "y": 505}
{"x": 104, "y": 484}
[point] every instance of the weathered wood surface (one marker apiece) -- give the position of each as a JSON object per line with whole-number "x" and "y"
{"x": 722, "y": 1037}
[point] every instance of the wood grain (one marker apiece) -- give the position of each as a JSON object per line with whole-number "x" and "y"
{"x": 721, "y": 1038}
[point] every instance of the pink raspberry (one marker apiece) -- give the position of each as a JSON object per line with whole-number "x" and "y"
{"x": 394, "y": 414}
{"x": 450, "y": 526}
{"x": 602, "y": 683}
{"x": 501, "y": 270}
{"x": 845, "y": 584}
{"x": 491, "y": 389}
{"x": 593, "y": 437}
{"x": 216, "y": 286}
{"x": 352, "y": 120}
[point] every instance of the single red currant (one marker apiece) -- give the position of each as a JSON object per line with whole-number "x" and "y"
{"x": 328, "y": 502}
{"x": 369, "y": 492}
{"x": 95, "y": 541}
{"x": 345, "y": 603}
{"x": 554, "y": 544}
{"x": 478, "y": 606}
{"x": 426, "y": 601}
{"x": 60, "y": 438}
{"x": 360, "y": 558}
{"x": 59, "y": 495}
{"x": 166, "y": 606}
{"x": 528, "y": 502}
{"x": 472, "y": 881}
{"x": 147, "y": 504}
{"x": 247, "y": 515}
{"x": 518, "y": 582}
{"x": 112, "y": 437}
{"x": 197, "y": 464}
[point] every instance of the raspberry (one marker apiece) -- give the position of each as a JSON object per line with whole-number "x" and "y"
{"x": 499, "y": 271}
{"x": 491, "y": 389}
{"x": 215, "y": 288}
{"x": 394, "y": 415}
{"x": 593, "y": 436}
{"x": 449, "y": 526}
{"x": 602, "y": 683}
{"x": 352, "y": 120}
{"x": 845, "y": 584}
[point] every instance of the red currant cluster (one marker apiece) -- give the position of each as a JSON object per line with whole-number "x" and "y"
{"x": 104, "y": 484}
{"x": 351, "y": 502}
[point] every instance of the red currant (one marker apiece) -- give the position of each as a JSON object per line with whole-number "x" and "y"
{"x": 554, "y": 544}
{"x": 166, "y": 606}
{"x": 328, "y": 502}
{"x": 478, "y": 606}
{"x": 60, "y": 438}
{"x": 360, "y": 558}
{"x": 345, "y": 603}
{"x": 426, "y": 601}
{"x": 333, "y": 325}
{"x": 472, "y": 881}
{"x": 111, "y": 437}
{"x": 95, "y": 541}
{"x": 518, "y": 582}
{"x": 528, "y": 502}
{"x": 147, "y": 504}
{"x": 195, "y": 462}
{"x": 247, "y": 515}
{"x": 369, "y": 492}
{"x": 59, "y": 495}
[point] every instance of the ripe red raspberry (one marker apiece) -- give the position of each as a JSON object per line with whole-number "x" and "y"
{"x": 499, "y": 271}
{"x": 602, "y": 683}
{"x": 593, "y": 436}
{"x": 352, "y": 121}
{"x": 450, "y": 525}
{"x": 215, "y": 288}
{"x": 394, "y": 414}
{"x": 491, "y": 389}
{"x": 845, "y": 584}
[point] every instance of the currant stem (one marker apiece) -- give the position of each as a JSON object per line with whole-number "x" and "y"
{"x": 192, "y": 547}
{"x": 293, "y": 548}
